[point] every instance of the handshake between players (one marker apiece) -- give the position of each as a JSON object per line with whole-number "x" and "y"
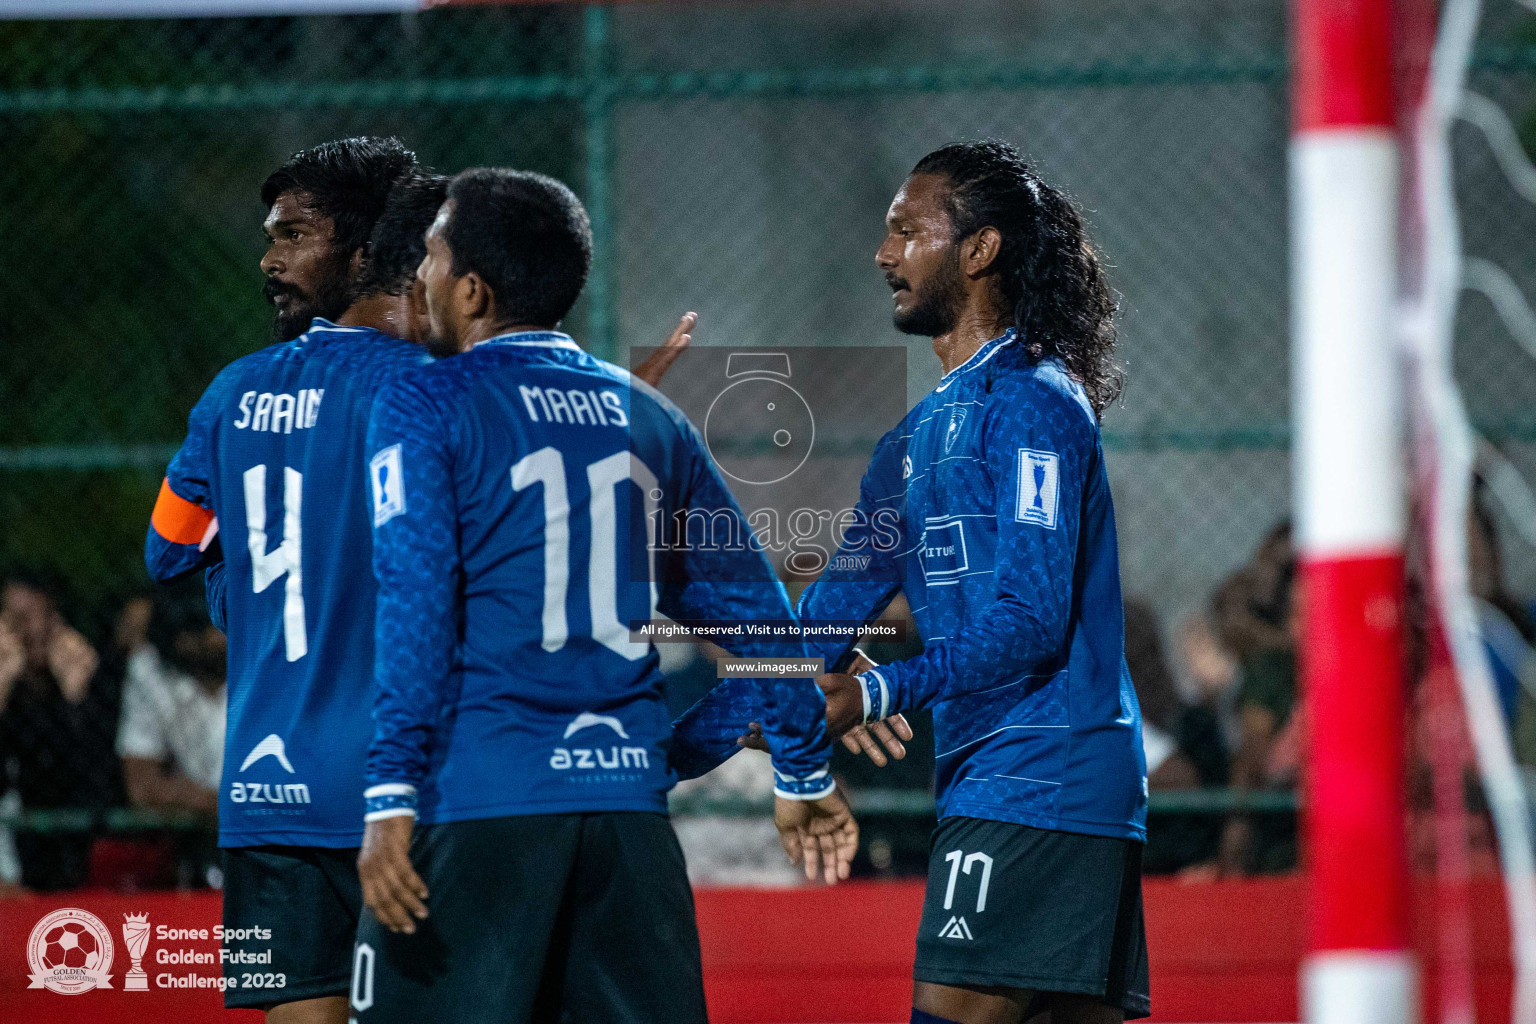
{"x": 440, "y": 505}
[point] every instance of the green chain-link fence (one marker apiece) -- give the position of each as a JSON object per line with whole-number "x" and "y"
{"x": 737, "y": 159}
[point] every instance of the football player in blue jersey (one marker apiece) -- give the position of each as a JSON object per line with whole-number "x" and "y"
{"x": 1010, "y": 564}
{"x": 518, "y": 863}
{"x": 274, "y": 453}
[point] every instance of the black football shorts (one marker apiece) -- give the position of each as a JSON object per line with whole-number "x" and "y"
{"x": 540, "y": 919}
{"x": 291, "y": 912}
{"x": 1019, "y": 907}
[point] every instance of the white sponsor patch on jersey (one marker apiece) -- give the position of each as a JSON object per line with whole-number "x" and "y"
{"x": 388, "y": 485}
{"x": 943, "y": 554}
{"x": 1039, "y": 488}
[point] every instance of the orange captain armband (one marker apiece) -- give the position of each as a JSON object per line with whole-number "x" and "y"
{"x": 179, "y": 520}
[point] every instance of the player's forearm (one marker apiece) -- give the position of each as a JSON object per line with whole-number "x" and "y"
{"x": 413, "y": 661}
{"x": 842, "y": 600}
{"x": 796, "y": 732}
{"x": 1009, "y": 641}
{"x": 704, "y": 737}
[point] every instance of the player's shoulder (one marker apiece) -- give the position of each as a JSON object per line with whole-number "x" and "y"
{"x": 646, "y": 401}
{"x": 1043, "y": 390}
{"x": 247, "y": 371}
{"x": 439, "y": 383}
{"x": 361, "y": 353}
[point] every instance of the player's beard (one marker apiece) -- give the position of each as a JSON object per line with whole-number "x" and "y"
{"x": 937, "y": 303}
{"x": 331, "y": 298}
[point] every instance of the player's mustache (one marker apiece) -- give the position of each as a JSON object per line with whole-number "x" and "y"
{"x": 274, "y": 288}
{"x": 895, "y": 282}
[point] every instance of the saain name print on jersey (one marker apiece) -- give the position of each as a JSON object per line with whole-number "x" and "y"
{"x": 275, "y": 451}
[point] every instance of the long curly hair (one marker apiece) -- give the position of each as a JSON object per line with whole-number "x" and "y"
{"x": 1049, "y": 272}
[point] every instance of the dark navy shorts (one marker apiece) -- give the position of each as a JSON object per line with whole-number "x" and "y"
{"x": 539, "y": 919}
{"x": 296, "y": 910}
{"x": 1019, "y": 907}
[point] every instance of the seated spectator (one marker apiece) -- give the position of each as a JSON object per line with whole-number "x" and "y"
{"x": 171, "y": 737}
{"x": 1183, "y": 745}
{"x": 58, "y": 713}
{"x": 1259, "y": 618}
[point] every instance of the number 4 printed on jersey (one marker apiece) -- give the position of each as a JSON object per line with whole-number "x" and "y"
{"x": 268, "y": 566}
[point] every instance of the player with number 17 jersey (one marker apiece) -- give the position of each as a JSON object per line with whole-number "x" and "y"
{"x": 273, "y": 463}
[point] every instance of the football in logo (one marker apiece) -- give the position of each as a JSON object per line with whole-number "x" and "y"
{"x": 70, "y": 951}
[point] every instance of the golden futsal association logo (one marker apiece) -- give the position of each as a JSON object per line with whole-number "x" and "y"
{"x": 70, "y": 951}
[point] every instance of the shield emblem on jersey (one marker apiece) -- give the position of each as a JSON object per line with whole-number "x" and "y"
{"x": 956, "y": 421}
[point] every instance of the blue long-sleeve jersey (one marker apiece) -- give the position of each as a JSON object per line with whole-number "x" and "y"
{"x": 517, "y": 489}
{"x": 273, "y": 462}
{"x": 1009, "y": 561}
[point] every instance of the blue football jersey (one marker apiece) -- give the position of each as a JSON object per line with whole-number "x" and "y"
{"x": 995, "y": 493}
{"x": 274, "y": 462}
{"x": 518, "y": 491}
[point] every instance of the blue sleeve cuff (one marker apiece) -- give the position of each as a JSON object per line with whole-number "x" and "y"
{"x": 811, "y": 787}
{"x": 877, "y": 695}
{"x": 389, "y": 800}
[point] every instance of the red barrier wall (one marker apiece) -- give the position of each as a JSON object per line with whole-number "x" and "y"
{"x": 1220, "y": 952}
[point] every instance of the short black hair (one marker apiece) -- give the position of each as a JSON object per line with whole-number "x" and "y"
{"x": 399, "y": 239}
{"x": 526, "y": 235}
{"x": 347, "y": 180}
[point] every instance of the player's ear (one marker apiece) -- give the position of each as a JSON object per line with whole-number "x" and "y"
{"x": 474, "y": 296}
{"x": 355, "y": 266}
{"x": 979, "y": 252}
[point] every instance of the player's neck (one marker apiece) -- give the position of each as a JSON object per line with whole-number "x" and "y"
{"x": 389, "y": 314}
{"x": 485, "y": 330}
{"x": 973, "y": 329}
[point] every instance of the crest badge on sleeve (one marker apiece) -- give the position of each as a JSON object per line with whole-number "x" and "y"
{"x": 1039, "y": 488}
{"x": 388, "y": 485}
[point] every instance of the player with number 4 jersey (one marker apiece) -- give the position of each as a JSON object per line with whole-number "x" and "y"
{"x": 271, "y": 478}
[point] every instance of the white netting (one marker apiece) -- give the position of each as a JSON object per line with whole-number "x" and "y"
{"x": 1448, "y": 450}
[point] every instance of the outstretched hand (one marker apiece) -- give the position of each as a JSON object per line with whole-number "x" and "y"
{"x": 820, "y": 834}
{"x": 391, "y": 887}
{"x": 654, "y": 368}
{"x": 882, "y": 741}
{"x": 845, "y": 703}
{"x": 877, "y": 738}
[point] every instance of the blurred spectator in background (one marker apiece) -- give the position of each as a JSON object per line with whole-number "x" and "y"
{"x": 171, "y": 737}
{"x": 1257, "y": 620}
{"x": 1184, "y": 748}
{"x": 1505, "y": 621}
{"x": 58, "y": 716}
{"x": 1209, "y": 673}
{"x": 131, "y": 631}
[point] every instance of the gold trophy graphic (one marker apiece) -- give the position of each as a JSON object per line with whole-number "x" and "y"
{"x": 136, "y": 936}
